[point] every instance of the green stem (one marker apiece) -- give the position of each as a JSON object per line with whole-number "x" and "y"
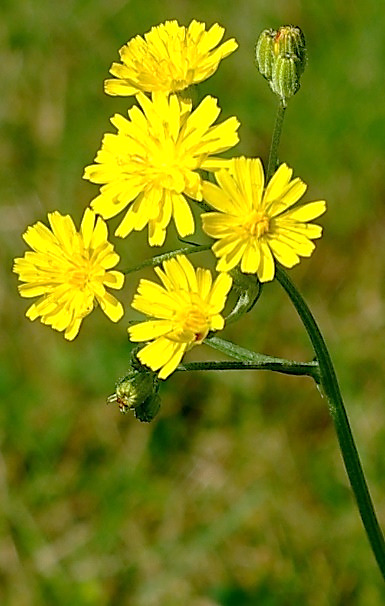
{"x": 288, "y": 368}
{"x": 273, "y": 156}
{"x": 158, "y": 259}
{"x": 257, "y": 361}
{"x": 332, "y": 392}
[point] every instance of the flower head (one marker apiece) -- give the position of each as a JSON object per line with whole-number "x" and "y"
{"x": 169, "y": 59}
{"x": 184, "y": 309}
{"x": 255, "y": 224}
{"x": 68, "y": 270}
{"x": 152, "y": 161}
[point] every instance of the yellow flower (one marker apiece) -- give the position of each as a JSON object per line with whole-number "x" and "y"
{"x": 255, "y": 224}
{"x": 185, "y": 309}
{"x": 151, "y": 163}
{"x": 68, "y": 271}
{"x": 169, "y": 59}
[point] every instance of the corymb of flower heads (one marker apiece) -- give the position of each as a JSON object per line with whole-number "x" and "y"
{"x": 152, "y": 161}
{"x": 184, "y": 310}
{"x": 169, "y": 59}
{"x": 68, "y": 270}
{"x": 256, "y": 224}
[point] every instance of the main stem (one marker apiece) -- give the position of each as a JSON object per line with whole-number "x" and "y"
{"x": 330, "y": 387}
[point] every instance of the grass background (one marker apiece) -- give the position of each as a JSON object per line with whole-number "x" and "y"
{"x": 236, "y": 494}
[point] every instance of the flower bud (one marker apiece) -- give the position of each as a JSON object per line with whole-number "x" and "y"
{"x": 281, "y": 59}
{"x": 264, "y": 52}
{"x": 285, "y": 80}
{"x": 289, "y": 39}
{"x": 137, "y": 391}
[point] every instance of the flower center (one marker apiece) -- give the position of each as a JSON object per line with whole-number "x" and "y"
{"x": 80, "y": 274}
{"x": 179, "y": 84}
{"x": 192, "y": 324}
{"x": 256, "y": 225}
{"x": 166, "y": 167}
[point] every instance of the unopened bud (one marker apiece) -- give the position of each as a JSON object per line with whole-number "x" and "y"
{"x": 285, "y": 81}
{"x": 281, "y": 59}
{"x": 264, "y": 52}
{"x": 137, "y": 391}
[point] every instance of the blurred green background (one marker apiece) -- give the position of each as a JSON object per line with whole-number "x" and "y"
{"x": 236, "y": 494}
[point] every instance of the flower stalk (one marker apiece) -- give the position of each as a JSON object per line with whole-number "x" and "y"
{"x": 331, "y": 390}
{"x": 275, "y": 140}
{"x": 257, "y": 361}
{"x": 287, "y": 367}
{"x": 158, "y": 259}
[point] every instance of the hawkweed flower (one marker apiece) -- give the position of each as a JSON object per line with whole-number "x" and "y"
{"x": 170, "y": 58}
{"x": 184, "y": 310}
{"x": 68, "y": 270}
{"x": 151, "y": 164}
{"x": 256, "y": 224}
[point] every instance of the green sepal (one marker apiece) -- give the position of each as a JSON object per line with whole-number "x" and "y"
{"x": 286, "y": 77}
{"x": 264, "y": 52}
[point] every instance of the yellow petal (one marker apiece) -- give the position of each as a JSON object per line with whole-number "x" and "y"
{"x": 99, "y": 235}
{"x": 218, "y": 225}
{"x": 277, "y": 183}
{"x": 219, "y": 292}
{"x": 107, "y": 207}
{"x": 289, "y": 196}
{"x": 204, "y": 282}
{"x": 307, "y": 212}
{"x": 266, "y": 268}
{"x": 119, "y": 87}
{"x": 152, "y": 329}
{"x": 217, "y": 322}
{"x": 173, "y": 362}
{"x": 156, "y": 234}
{"x": 87, "y": 226}
{"x": 251, "y": 258}
{"x": 183, "y": 217}
{"x": 114, "y": 279}
{"x": 189, "y": 272}
{"x": 159, "y": 352}
{"x": 111, "y": 307}
{"x": 230, "y": 254}
{"x": 283, "y": 252}
{"x": 73, "y": 329}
